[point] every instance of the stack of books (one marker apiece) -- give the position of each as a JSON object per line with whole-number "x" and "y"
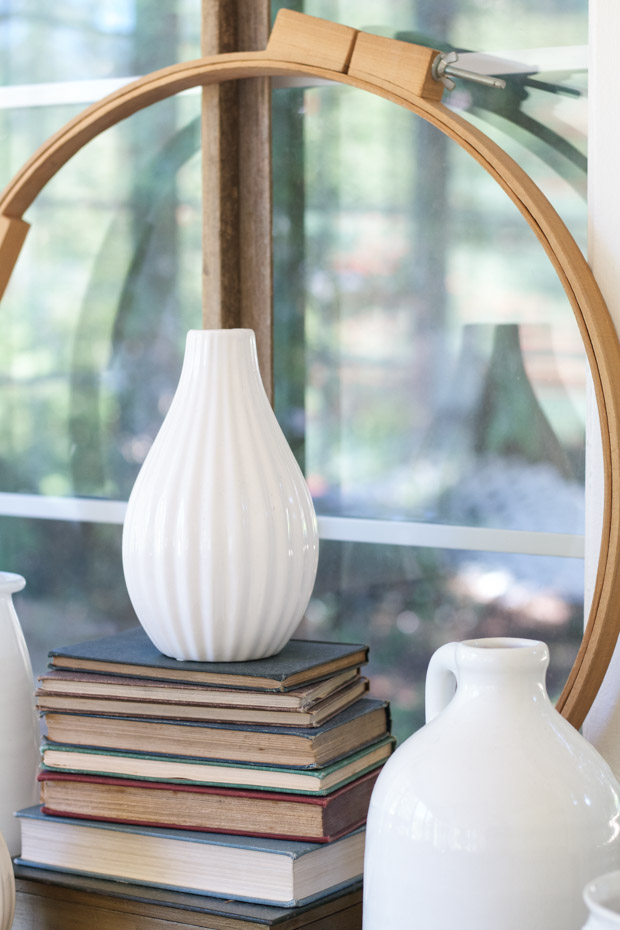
{"x": 248, "y": 781}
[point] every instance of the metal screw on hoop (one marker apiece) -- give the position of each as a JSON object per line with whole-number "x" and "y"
{"x": 443, "y": 69}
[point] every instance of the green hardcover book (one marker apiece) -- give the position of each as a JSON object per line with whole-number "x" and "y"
{"x": 61, "y": 899}
{"x": 358, "y": 726}
{"x": 284, "y": 873}
{"x": 183, "y": 770}
{"x": 132, "y": 653}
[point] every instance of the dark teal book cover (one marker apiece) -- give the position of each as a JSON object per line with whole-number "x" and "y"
{"x": 300, "y": 661}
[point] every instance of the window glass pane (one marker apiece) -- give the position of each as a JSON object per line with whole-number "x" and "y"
{"x": 540, "y": 119}
{"x": 74, "y": 583}
{"x": 106, "y": 286}
{"x": 407, "y": 288}
{"x": 428, "y": 365}
{"x": 110, "y": 277}
{"x": 444, "y": 372}
{"x": 403, "y": 602}
{"x": 406, "y": 602}
{"x": 477, "y": 24}
{"x": 77, "y": 40}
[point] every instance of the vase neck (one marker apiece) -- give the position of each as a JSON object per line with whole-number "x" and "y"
{"x": 224, "y": 353}
{"x": 10, "y": 583}
{"x": 508, "y": 668}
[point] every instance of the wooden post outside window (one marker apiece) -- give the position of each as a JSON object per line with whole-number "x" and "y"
{"x": 236, "y": 146}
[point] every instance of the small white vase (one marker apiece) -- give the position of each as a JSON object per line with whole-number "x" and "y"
{"x": 602, "y": 898}
{"x": 19, "y": 727}
{"x": 7, "y": 887}
{"x": 496, "y": 813}
{"x": 220, "y": 542}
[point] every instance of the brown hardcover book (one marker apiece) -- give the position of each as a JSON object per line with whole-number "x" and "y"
{"x": 295, "y": 747}
{"x": 312, "y": 716}
{"x": 50, "y": 900}
{"x": 126, "y": 687}
{"x": 132, "y": 653}
{"x": 217, "y": 810}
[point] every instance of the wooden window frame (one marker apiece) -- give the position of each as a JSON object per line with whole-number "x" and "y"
{"x": 237, "y": 281}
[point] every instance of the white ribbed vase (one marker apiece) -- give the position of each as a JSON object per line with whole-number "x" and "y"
{"x": 7, "y": 887}
{"x": 220, "y": 544}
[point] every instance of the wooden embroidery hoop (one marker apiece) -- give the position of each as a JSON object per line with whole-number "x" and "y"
{"x": 302, "y": 45}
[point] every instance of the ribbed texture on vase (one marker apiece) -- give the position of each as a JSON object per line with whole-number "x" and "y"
{"x": 220, "y": 544}
{"x": 7, "y": 888}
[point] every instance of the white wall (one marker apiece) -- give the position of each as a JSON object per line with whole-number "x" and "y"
{"x": 602, "y": 725}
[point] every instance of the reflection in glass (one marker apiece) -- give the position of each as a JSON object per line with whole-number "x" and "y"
{"x": 477, "y": 24}
{"x": 442, "y": 377}
{"x": 405, "y": 603}
{"x": 439, "y": 343}
{"x": 110, "y": 277}
{"x": 94, "y": 38}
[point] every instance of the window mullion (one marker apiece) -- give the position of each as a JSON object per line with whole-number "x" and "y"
{"x": 237, "y": 278}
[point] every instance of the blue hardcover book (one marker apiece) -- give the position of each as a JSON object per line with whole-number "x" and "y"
{"x": 149, "y": 906}
{"x": 265, "y": 871}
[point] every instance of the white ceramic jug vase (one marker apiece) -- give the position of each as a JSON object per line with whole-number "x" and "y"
{"x": 19, "y": 727}
{"x": 496, "y": 813}
{"x": 7, "y": 887}
{"x": 220, "y": 541}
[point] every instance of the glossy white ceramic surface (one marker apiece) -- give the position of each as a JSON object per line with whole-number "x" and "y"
{"x": 7, "y": 887}
{"x": 602, "y": 898}
{"x": 220, "y": 542}
{"x": 497, "y": 812}
{"x": 19, "y": 727}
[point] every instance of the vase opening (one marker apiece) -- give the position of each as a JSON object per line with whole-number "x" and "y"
{"x": 11, "y": 583}
{"x": 502, "y": 642}
{"x": 602, "y": 896}
{"x": 223, "y": 332}
{"x": 508, "y": 655}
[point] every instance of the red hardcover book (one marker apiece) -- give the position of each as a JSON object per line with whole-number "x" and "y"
{"x": 212, "y": 809}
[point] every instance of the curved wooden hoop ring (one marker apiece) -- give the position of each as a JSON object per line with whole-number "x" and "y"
{"x": 304, "y": 46}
